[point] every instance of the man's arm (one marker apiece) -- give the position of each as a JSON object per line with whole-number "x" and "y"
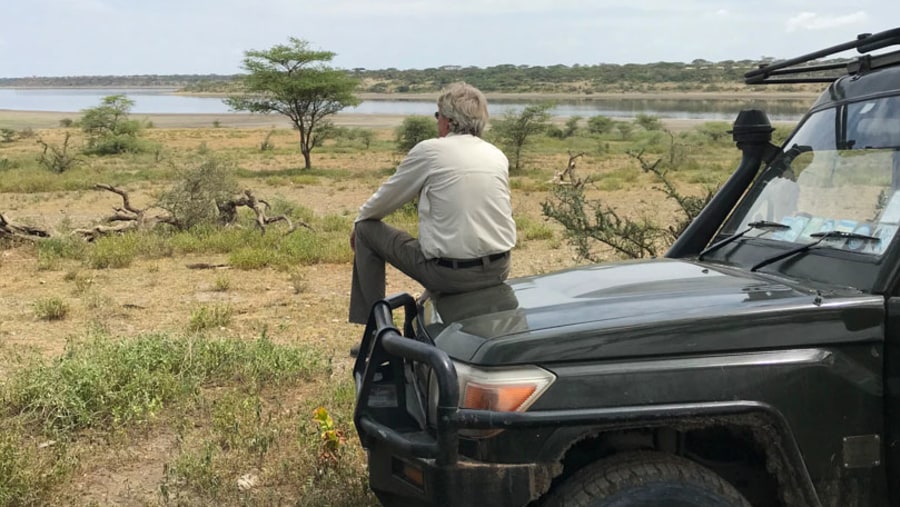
{"x": 401, "y": 187}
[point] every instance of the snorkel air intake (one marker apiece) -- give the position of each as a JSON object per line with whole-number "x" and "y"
{"x": 752, "y": 133}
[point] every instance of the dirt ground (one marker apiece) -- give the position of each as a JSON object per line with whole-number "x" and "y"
{"x": 151, "y": 296}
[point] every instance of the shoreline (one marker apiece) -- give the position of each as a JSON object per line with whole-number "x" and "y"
{"x": 19, "y": 119}
{"x": 761, "y": 94}
{"x": 48, "y": 120}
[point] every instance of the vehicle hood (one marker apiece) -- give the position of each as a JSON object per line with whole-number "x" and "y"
{"x": 644, "y": 308}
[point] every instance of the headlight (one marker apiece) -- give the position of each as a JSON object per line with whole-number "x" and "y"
{"x": 506, "y": 389}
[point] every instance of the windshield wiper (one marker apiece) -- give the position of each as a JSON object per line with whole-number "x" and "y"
{"x": 762, "y": 224}
{"x": 822, "y": 237}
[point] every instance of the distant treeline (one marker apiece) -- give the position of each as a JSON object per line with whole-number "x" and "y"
{"x": 699, "y": 75}
{"x": 149, "y": 81}
{"x": 584, "y": 79}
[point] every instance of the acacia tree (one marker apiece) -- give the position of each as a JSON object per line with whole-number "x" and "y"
{"x": 294, "y": 80}
{"x": 513, "y": 130}
{"x": 109, "y": 130}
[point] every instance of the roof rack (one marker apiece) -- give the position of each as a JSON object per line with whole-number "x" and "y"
{"x": 816, "y": 73}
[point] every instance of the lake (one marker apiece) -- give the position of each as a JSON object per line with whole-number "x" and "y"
{"x": 163, "y": 101}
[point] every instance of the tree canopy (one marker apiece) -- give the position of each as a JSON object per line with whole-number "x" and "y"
{"x": 109, "y": 130}
{"x": 513, "y": 130}
{"x": 294, "y": 80}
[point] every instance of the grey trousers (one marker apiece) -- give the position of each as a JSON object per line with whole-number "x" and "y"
{"x": 377, "y": 243}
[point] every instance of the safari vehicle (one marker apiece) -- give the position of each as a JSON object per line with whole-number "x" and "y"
{"x": 758, "y": 363}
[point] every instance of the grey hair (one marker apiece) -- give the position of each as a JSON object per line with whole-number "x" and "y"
{"x": 466, "y": 108}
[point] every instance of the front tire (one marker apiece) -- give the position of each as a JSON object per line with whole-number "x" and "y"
{"x": 645, "y": 479}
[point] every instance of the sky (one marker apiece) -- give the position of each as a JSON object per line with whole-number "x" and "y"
{"x": 129, "y": 37}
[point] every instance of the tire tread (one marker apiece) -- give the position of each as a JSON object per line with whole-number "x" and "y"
{"x": 610, "y": 475}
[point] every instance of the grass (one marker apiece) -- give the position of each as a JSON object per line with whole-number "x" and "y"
{"x": 246, "y": 247}
{"x": 50, "y": 308}
{"x": 103, "y": 383}
{"x": 209, "y": 317}
{"x": 530, "y": 229}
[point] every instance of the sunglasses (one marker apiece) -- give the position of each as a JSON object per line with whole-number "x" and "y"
{"x": 437, "y": 115}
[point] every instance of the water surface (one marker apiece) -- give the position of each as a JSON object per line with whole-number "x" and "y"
{"x": 164, "y": 101}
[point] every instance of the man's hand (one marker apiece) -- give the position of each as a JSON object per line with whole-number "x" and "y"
{"x": 353, "y": 238}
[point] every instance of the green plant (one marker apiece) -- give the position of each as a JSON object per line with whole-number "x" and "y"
{"x": 50, "y": 308}
{"x": 105, "y": 383}
{"x": 109, "y": 130}
{"x": 588, "y": 222}
{"x": 193, "y": 199}
{"x": 530, "y": 229}
{"x": 7, "y": 164}
{"x": 600, "y": 124}
{"x": 222, "y": 283}
{"x": 514, "y": 130}
{"x": 7, "y": 135}
{"x": 571, "y": 127}
{"x": 413, "y": 130}
{"x": 648, "y": 122}
{"x": 209, "y": 317}
{"x": 331, "y": 437}
{"x": 28, "y": 472}
{"x": 112, "y": 252}
{"x": 58, "y": 160}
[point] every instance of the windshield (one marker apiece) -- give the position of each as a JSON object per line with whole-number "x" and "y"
{"x": 839, "y": 172}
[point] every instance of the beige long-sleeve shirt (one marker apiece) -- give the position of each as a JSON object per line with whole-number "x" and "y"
{"x": 462, "y": 183}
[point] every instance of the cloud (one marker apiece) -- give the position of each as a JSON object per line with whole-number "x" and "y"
{"x": 813, "y": 21}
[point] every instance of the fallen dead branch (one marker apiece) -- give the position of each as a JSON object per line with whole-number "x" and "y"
{"x": 9, "y": 230}
{"x": 567, "y": 175}
{"x": 228, "y": 212}
{"x": 129, "y": 218}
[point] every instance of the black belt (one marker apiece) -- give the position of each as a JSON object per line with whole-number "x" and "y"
{"x": 469, "y": 263}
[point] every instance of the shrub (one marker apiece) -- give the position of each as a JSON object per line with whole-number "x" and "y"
{"x": 51, "y": 308}
{"x": 414, "y": 130}
{"x": 109, "y": 130}
{"x": 209, "y": 317}
{"x": 112, "y": 252}
{"x": 600, "y": 124}
{"x": 57, "y": 159}
{"x": 590, "y": 222}
{"x": 648, "y": 122}
{"x": 193, "y": 200}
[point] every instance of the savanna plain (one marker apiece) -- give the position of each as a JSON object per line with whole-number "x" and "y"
{"x": 210, "y": 365}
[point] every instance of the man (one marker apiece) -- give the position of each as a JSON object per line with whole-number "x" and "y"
{"x": 466, "y": 229}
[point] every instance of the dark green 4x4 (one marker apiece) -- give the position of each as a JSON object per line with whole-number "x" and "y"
{"x": 758, "y": 363}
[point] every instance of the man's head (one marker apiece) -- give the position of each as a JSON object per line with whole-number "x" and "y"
{"x": 462, "y": 109}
